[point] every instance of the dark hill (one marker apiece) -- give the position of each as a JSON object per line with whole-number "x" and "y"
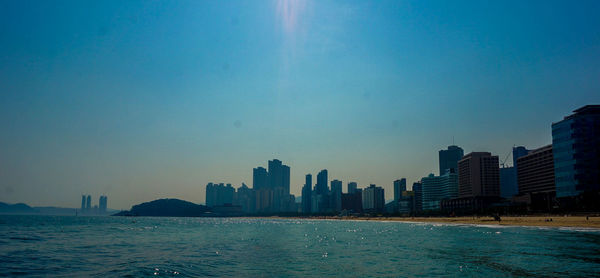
{"x": 16, "y": 208}
{"x": 166, "y": 207}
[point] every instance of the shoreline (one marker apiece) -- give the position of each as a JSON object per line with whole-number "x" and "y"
{"x": 525, "y": 221}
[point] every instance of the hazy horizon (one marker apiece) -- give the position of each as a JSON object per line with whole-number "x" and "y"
{"x": 142, "y": 100}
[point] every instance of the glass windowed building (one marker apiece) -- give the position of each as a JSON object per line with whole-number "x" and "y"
{"x": 576, "y": 150}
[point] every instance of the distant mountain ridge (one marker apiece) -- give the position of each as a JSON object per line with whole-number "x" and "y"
{"x": 166, "y": 207}
{"x": 19, "y": 208}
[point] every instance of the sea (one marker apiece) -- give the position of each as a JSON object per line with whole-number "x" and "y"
{"x": 70, "y": 246}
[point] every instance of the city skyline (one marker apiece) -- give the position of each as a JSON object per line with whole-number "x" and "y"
{"x": 146, "y": 100}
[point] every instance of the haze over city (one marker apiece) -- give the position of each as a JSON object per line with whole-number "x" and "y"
{"x": 144, "y": 100}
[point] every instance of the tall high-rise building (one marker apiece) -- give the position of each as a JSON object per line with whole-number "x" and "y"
{"x": 449, "y": 158}
{"x": 336, "y": 195}
{"x": 259, "y": 178}
{"x": 478, "y": 175}
{"x": 285, "y": 176}
{"x": 82, "y": 203}
{"x": 373, "y": 199}
{"x": 438, "y": 188}
{"x": 508, "y": 182}
{"x": 246, "y": 198}
{"x": 352, "y": 201}
{"x": 535, "y": 173}
{"x": 576, "y": 151}
{"x": 322, "y": 180}
{"x": 219, "y": 194}
{"x": 352, "y": 186}
{"x": 417, "y": 188}
{"x": 307, "y": 194}
{"x": 102, "y": 204}
{"x": 88, "y": 203}
{"x": 399, "y": 187}
{"x": 275, "y": 173}
{"x": 518, "y": 152}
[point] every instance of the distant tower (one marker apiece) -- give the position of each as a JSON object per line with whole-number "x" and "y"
{"x": 82, "y": 202}
{"x": 336, "y": 195}
{"x": 102, "y": 204}
{"x": 352, "y": 187}
{"x": 321, "y": 186}
{"x": 399, "y": 186}
{"x": 449, "y": 158}
{"x": 478, "y": 175}
{"x": 88, "y": 203}
{"x": 307, "y": 194}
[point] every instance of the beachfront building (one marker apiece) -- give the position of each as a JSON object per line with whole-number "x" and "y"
{"x": 576, "y": 152}
{"x": 438, "y": 188}
{"x": 373, "y": 200}
{"x": 535, "y": 173}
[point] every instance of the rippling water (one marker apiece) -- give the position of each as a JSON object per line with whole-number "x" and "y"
{"x": 117, "y": 246}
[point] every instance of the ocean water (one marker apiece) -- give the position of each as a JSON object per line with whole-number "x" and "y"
{"x": 239, "y": 247}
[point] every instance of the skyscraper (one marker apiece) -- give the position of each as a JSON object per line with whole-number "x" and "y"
{"x": 307, "y": 194}
{"x": 259, "y": 178}
{"x": 352, "y": 187}
{"x": 576, "y": 151}
{"x": 219, "y": 194}
{"x": 399, "y": 187}
{"x": 275, "y": 173}
{"x": 82, "y": 203}
{"x": 88, "y": 203}
{"x": 336, "y": 195}
{"x": 102, "y": 204}
{"x": 448, "y": 159}
{"x": 373, "y": 199}
{"x": 478, "y": 175}
{"x": 418, "y": 189}
{"x": 321, "y": 186}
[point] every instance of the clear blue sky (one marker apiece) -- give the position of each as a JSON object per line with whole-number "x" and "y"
{"x": 142, "y": 100}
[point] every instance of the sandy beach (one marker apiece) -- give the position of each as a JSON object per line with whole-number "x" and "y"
{"x": 542, "y": 221}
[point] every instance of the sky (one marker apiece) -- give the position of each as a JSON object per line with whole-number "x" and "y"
{"x": 141, "y": 100}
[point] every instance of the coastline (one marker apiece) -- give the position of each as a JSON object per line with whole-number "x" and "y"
{"x": 534, "y": 221}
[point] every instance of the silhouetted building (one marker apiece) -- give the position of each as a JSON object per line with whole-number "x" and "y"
{"x": 509, "y": 185}
{"x": 245, "y": 198}
{"x": 307, "y": 194}
{"x": 336, "y": 195}
{"x": 508, "y": 182}
{"x": 219, "y": 194}
{"x": 321, "y": 200}
{"x": 399, "y": 187}
{"x": 259, "y": 178}
{"x": 519, "y": 152}
{"x": 102, "y": 204}
{"x": 88, "y": 203}
{"x": 478, "y": 175}
{"x": 438, "y": 188}
{"x": 576, "y": 150}
{"x": 448, "y": 159}
{"x": 352, "y": 187}
{"x": 83, "y": 203}
{"x": 373, "y": 199}
{"x": 406, "y": 203}
{"x": 352, "y": 202}
{"x": 418, "y": 191}
{"x": 321, "y": 186}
